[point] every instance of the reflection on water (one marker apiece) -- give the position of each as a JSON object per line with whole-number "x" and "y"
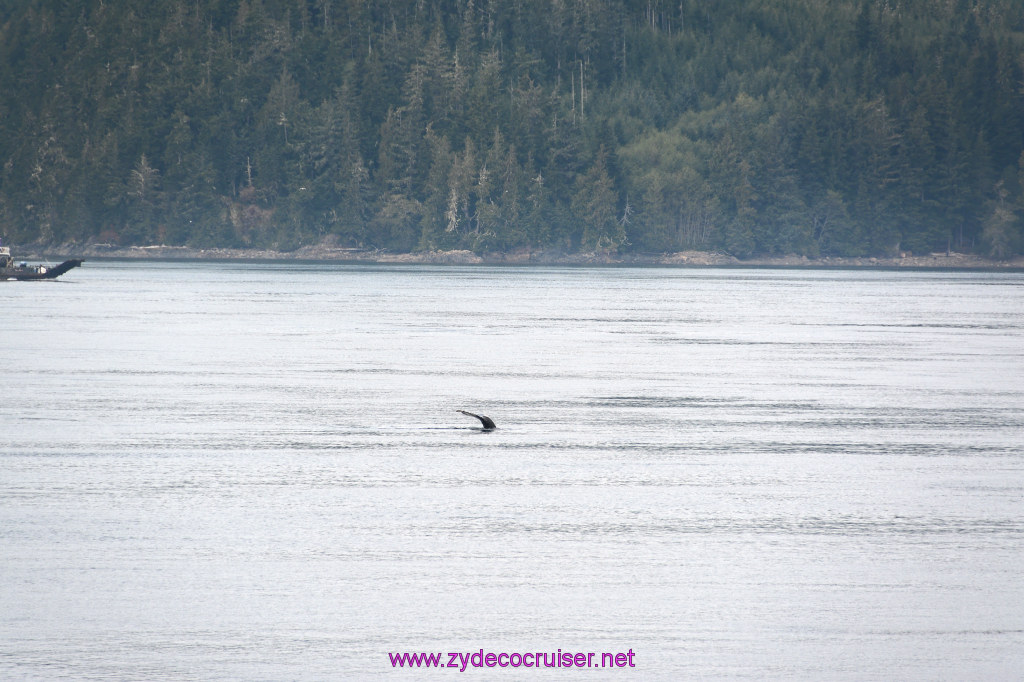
{"x": 258, "y": 472}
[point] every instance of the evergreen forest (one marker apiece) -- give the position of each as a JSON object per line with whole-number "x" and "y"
{"x": 749, "y": 127}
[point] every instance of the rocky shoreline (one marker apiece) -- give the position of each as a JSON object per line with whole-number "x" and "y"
{"x": 330, "y": 253}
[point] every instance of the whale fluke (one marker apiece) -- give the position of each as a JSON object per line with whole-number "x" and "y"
{"x": 486, "y": 421}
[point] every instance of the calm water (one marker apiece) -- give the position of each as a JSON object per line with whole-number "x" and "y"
{"x": 256, "y": 472}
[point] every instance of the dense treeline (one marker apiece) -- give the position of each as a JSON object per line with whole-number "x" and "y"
{"x": 850, "y": 127}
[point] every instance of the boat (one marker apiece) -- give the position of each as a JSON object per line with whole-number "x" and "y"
{"x": 23, "y": 271}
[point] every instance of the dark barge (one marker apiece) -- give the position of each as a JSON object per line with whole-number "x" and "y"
{"x": 23, "y": 271}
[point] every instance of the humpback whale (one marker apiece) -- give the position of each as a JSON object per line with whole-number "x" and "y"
{"x": 486, "y": 421}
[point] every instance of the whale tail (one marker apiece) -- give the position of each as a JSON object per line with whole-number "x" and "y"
{"x": 486, "y": 421}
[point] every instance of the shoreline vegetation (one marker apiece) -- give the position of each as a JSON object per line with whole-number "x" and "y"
{"x": 330, "y": 253}
{"x": 535, "y": 129}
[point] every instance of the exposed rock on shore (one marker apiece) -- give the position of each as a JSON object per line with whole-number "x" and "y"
{"x": 327, "y": 252}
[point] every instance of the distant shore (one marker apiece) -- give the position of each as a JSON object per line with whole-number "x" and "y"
{"x": 523, "y": 257}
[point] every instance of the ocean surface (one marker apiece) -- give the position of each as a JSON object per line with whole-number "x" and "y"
{"x": 253, "y": 471}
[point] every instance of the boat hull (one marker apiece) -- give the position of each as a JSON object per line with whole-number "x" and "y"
{"x": 38, "y": 271}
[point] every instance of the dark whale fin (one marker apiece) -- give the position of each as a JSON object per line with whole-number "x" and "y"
{"x": 486, "y": 421}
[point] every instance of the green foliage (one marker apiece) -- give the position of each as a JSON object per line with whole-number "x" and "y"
{"x": 853, "y": 127}
{"x": 1001, "y": 235}
{"x": 594, "y": 207}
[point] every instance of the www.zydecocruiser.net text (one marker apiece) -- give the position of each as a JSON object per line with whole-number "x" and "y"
{"x": 462, "y": 660}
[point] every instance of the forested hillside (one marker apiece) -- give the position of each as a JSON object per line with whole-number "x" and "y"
{"x": 846, "y": 127}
